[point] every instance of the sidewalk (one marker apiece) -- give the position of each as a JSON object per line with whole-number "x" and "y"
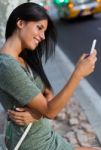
{"x": 72, "y": 122}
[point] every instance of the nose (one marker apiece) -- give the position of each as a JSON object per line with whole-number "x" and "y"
{"x": 42, "y": 35}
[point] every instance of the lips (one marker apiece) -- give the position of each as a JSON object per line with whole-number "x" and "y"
{"x": 37, "y": 40}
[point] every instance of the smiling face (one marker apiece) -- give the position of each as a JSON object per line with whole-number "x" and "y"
{"x": 31, "y": 33}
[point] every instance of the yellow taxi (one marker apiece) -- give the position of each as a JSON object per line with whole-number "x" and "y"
{"x": 77, "y": 8}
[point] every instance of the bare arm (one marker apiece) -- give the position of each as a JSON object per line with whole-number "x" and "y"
{"x": 52, "y": 108}
{"x": 46, "y": 103}
{"x": 22, "y": 116}
{"x": 48, "y": 94}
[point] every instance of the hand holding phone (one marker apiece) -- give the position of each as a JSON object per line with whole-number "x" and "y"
{"x": 93, "y": 46}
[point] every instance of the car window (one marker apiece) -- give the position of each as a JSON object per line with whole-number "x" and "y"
{"x": 82, "y": 1}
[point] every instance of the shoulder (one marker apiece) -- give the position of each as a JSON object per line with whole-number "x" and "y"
{"x": 15, "y": 82}
{"x": 10, "y": 68}
{"x": 8, "y": 63}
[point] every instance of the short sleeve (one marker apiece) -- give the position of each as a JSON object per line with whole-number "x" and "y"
{"x": 15, "y": 82}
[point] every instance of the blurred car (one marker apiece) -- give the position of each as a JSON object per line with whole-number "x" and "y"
{"x": 77, "y": 8}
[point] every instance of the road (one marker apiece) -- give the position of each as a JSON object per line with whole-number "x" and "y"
{"x": 75, "y": 37}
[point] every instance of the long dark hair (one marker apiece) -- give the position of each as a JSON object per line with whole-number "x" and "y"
{"x": 34, "y": 12}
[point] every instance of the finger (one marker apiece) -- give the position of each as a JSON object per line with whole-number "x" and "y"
{"x": 93, "y": 60}
{"x": 93, "y": 66}
{"x": 19, "y": 122}
{"x": 22, "y": 121}
{"x": 22, "y": 124}
{"x": 21, "y": 116}
{"x": 15, "y": 113}
{"x": 83, "y": 56}
{"x": 93, "y": 55}
{"x": 94, "y": 52}
{"x": 14, "y": 117}
{"x": 87, "y": 55}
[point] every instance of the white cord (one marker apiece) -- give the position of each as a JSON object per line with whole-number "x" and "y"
{"x": 29, "y": 126}
{"x": 23, "y": 137}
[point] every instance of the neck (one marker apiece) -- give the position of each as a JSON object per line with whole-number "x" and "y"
{"x": 12, "y": 47}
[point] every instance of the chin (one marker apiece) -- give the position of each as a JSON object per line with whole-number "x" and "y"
{"x": 32, "y": 48}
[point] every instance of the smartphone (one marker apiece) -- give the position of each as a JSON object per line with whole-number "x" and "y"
{"x": 93, "y": 46}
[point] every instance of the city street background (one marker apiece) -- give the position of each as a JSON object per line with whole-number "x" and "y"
{"x": 80, "y": 121}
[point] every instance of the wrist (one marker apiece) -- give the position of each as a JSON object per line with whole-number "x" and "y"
{"x": 77, "y": 75}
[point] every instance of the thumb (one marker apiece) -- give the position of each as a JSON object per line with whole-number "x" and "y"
{"x": 83, "y": 56}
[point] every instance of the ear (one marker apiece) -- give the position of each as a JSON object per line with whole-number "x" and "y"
{"x": 20, "y": 23}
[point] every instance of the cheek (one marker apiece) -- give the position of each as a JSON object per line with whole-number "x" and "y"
{"x": 27, "y": 37}
{"x": 25, "y": 40}
{"x": 34, "y": 30}
{"x": 30, "y": 31}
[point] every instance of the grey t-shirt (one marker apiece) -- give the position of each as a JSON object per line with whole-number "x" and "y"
{"x": 17, "y": 88}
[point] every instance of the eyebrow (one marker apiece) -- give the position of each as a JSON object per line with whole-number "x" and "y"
{"x": 43, "y": 26}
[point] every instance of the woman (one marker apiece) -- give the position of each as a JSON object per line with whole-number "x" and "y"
{"x": 29, "y": 35}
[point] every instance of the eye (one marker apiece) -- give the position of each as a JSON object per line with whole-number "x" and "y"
{"x": 39, "y": 27}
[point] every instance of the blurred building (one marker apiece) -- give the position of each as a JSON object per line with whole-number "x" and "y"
{"x": 6, "y": 6}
